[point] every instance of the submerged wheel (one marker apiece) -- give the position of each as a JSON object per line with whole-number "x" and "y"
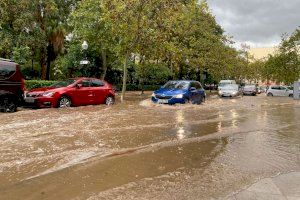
{"x": 291, "y": 95}
{"x": 8, "y": 105}
{"x": 270, "y": 94}
{"x": 109, "y": 100}
{"x": 64, "y": 102}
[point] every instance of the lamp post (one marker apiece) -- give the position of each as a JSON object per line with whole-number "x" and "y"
{"x": 85, "y": 46}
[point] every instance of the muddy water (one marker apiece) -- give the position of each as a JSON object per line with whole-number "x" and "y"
{"x": 138, "y": 150}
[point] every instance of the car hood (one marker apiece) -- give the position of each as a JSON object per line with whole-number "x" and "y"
{"x": 170, "y": 92}
{"x": 249, "y": 89}
{"x": 44, "y": 89}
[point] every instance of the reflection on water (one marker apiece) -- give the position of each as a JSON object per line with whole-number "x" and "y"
{"x": 234, "y": 116}
{"x": 180, "y": 124}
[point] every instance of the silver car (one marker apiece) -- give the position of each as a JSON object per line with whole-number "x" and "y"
{"x": 280, "y": 91}
{"x": 230, "y": 90}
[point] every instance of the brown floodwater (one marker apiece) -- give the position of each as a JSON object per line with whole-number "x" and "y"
{"x": 138, "y": 150}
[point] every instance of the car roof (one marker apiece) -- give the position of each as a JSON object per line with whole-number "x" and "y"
{"x": 7, "y": 62}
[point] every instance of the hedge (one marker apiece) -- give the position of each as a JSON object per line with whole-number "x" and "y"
{"x": 32, "y": 84}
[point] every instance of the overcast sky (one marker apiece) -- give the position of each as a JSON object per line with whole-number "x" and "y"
{"x": 259, "y": 23}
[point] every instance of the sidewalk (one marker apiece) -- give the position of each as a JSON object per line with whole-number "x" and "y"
{"x": 282, "y": 187}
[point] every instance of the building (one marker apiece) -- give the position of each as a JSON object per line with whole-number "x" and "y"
{"x": 262, "y": 53}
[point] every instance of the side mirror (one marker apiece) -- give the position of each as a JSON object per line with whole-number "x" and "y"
{"x": 79, "y": 85}
{"x": 192, "y": 89}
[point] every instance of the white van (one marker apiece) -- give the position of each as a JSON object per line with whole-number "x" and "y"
{"x": 225, "y": 82}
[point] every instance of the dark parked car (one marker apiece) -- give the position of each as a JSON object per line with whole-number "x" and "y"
{"x": 179, "y": 92}
{"x": 11, "y": 86}
{"x": 250, "y": 90}
{"x": 72, "y": 92}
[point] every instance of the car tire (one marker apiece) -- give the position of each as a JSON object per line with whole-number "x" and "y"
{"x": 291, "y": 95}
{"x": 8, "y": 105}
{"x": 269, "y": 94}
{"x": 64, "y": 102}
{"x": 109, "y": 100}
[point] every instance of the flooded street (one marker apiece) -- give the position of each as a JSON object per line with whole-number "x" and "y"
{"x": 138, "y": 150}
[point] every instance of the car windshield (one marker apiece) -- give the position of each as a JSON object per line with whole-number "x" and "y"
{"x": 249, "y": 87}
{"x": 223, "y": 84}
{"x": 176, "y": 85}
{"x": 63, "y": 83}
{"x": 230, "y": 87}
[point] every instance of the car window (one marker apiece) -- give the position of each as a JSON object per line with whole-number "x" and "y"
{"x": 176, "y": 85}
{"x": 6, "y": 71}
{"x": 63, "y": 83}
{"x": 97, "y": 83}
{"x": 197, "y": 85}
{"x": 85, "y": 83}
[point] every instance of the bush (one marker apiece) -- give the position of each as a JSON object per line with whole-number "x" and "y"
{"x": 135, "y": 87}
{"x": 32, "y": 84}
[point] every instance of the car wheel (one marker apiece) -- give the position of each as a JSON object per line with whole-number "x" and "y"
{"x": 64, "y": 102}
{"x": 291, "y": 95}
{"x": 8, "y": 105}
{"x": 109, "y": 100}
{"x": 270, "y": 94}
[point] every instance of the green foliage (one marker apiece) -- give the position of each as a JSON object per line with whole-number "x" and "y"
{"x": 284, "y": 66}
{"x": 153, "y": 73}
{"x": 32, "y": 84}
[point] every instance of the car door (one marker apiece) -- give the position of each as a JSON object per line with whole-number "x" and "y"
{"x": 200, "y": 91}
{"x": 275, "y": 90}
{"x": 84, "y": 93}
{"x": 99, "y": 91}
{"x": 195, "y": 92}
{"x": 282, "y": 91}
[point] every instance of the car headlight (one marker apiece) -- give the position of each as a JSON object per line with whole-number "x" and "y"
{"x": 178, "y": 96}
{"x": 234, "y": 93}
{"x": 48, "y": 94}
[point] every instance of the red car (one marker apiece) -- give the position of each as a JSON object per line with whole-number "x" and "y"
{"x": 72, "y": 92}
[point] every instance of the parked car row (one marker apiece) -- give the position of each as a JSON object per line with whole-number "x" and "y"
{"x": 92, "y": 91}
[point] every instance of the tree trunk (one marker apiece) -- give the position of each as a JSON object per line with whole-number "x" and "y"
{"x": 43, "y": 64}
{"x": 124, "y": 77}
{"x": 104, "y": 64}
{"x": 48, "y": 69}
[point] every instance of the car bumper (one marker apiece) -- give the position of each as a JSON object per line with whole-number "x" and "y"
{"x": 41, "y": 102}
{"x": 249, "y": 92}
{"x": 168, "y": 101}
{"x": 227, "y": 95}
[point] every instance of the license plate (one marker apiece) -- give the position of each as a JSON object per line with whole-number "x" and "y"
{"x": 29, "y": 100}
{"x": 163, "y": 101}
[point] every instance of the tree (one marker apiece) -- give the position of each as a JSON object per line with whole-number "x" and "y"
{"x": 284, "y": 66}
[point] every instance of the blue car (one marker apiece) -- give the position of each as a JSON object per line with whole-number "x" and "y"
{"x": 179, "y": 92}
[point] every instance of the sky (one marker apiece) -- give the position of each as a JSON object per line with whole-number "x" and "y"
{"x": 258, "y": 23}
